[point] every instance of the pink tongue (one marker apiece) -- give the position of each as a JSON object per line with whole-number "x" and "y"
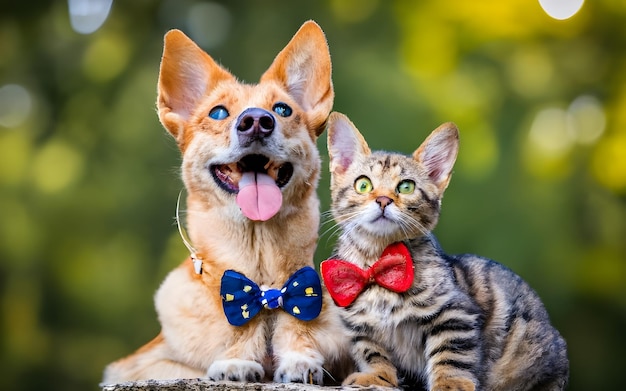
{"x": 259, "y": 198}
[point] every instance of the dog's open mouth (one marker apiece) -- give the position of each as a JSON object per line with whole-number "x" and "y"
{"x": 256, "y": 180}
{"x": 228, "y": 176}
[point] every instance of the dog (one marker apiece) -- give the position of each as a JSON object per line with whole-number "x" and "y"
{"x": 250, "y": 166}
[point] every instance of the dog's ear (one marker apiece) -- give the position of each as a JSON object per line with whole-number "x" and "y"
{"x": 187, "y": 74}
{"x": 303, "y": 68}
{"x": 438, "y": 154}
{"x": 345, "y": 143}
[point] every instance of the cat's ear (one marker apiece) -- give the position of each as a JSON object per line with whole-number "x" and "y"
{"x": 345, "y": 143}
{"x": 438, "y": 154}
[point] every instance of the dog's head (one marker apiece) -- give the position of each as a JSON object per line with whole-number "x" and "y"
{"x": 248, "y": 148}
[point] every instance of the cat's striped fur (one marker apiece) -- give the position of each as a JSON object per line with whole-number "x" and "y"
{"x": 467, "y": 323}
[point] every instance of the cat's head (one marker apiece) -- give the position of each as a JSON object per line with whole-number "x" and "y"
{"x": 388, "y": 196}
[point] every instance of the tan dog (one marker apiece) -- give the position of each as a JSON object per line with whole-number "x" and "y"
{"x": 251, "y": 167}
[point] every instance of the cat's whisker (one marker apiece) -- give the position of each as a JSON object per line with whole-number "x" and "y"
{"x": 332, "y": 231}
{"x": 405, "y": 230}
{"x": 415, "y": 226}
{"x": 346, "y": 216}
{"x": 329, "y": 374}
{"x": 348, "y": 229}
{"x": 409, "y": 223}
{"x": 327, "y": 221}
{"x": 328, "y": 214}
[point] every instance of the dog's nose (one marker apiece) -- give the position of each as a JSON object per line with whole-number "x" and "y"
{"x": 254, "y": 124}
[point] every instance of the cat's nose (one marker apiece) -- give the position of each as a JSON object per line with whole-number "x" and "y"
{"x": 383, "y": 201}
{"x": 254, "y": 124}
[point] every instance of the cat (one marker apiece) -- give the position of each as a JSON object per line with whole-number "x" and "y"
{"x": 418, "y": 317}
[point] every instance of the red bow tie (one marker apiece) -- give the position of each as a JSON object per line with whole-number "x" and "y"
{"x": 345, "y": 281}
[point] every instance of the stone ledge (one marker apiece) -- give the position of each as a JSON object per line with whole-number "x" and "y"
{"x": 208, "y": 385}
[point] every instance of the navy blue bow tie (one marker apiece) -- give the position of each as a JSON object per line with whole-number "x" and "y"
{"x": 301, "y": 296}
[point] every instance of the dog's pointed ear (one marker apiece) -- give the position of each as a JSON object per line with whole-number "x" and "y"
{"x": 345, "y": 143}
{"x": 187, "y": 74}
{"x": 438, "y": 153}
{"x": 303, "y": 68}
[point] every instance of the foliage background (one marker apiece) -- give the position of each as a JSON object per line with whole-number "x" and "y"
{"x": 89, "y": 179}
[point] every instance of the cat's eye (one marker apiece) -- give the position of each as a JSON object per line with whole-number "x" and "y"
{"x": 282, "y": 109}
{"x": 363, "y": 185}
{"x": 406, "y": 187}
{"x": 218, "y": 113}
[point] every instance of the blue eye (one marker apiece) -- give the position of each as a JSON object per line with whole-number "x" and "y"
{"x": 218, "y": 113}
{"x": 282, "y": 109}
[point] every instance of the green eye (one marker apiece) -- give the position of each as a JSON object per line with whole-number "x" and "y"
{"x": 406, "y": 187}
{"x": 363, "y": 185}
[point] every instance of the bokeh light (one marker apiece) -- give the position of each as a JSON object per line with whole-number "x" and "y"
{"x": 87, "y": 16}
{"x": 561, "y": 9}
{"x": 353, "y": 11}
{"x": 15, "y": 105}
{"x": 56, "y": 165}
{"x": 106, "y": 57}
{"x": 586, "y": 120}
{"x": 555, "y": 131}
{"x": 549, "y": 132}
{"x": 208, "y": 24}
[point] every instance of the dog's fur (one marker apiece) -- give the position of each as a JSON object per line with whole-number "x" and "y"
{"x": 196, "y": 339}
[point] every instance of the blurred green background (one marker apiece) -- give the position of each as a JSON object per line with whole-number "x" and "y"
{"x": 89, "y": 179}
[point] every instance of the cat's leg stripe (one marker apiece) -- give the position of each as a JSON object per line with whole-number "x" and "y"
{"x": 370, "y": 357}
{"x": 452, "y": 325}
{"x": 457, "y": 345}
{"x": 385, "y": 380}
{"x": 457, "y": 364}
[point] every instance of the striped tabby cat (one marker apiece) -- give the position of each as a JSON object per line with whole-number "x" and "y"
{"x": 418, "y": 317}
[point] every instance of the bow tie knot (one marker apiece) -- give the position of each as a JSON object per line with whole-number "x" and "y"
{"x": 345, "y": 281}
{"x": 242, "y": 299}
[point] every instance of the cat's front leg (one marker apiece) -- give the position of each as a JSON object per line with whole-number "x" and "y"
{"x": 373, "y": 363}
{"x": 382, "y": 377}
{"x": 447, "y": 376}
{"x": 453, "y": 384}
{"x": 454, "y": 353}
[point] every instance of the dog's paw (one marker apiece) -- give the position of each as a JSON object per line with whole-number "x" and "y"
{"x": 298, "y": 368}
{"x": 236, "y": 370}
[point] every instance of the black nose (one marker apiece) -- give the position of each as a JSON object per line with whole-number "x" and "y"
{"x": 254, "y": 124}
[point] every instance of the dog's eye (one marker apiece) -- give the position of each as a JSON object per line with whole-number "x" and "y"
{"x": 218, "y": 112}
{"x": 282, "y": 109}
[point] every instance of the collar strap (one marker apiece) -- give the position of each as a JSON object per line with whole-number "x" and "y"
{"x": 197, "y": 262}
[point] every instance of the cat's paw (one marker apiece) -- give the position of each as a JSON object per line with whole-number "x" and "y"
{"x": 364, "y": 379}
{"x": 454, "y": 384}
{"x": 299, "y": 368}
{"x": 236, "y": 370}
